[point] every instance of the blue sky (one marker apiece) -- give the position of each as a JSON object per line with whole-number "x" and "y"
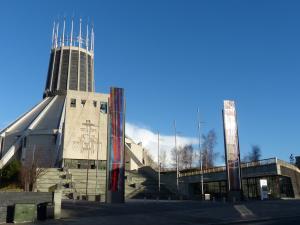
{"x": 172, "y": 57}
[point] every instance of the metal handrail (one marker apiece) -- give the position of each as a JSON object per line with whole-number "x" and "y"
{"x": 243, "y": 165}
{"x": 288, "y": 165}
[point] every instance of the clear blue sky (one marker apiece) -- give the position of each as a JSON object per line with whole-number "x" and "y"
{"x": 172, "y": 57}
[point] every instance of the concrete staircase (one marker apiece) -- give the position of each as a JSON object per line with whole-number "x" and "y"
{"x": 140, "y": 185}
{"x": 72, "y": 182}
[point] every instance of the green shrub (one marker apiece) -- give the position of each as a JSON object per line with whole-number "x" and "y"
{"x": 11, "y": 171}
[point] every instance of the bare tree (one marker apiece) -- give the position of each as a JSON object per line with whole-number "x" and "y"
{"x": 31, "y": 168}
{"x": 208, "y": 145}
{"x": 163, "y": 159}
{"x": 253, "y": 155}
{"x": 149, "y": 159}
{"x": 292, "y": 159}
{"x": 174, "y": 153}
{"x": 256, "y": 153}
{"x": 185, "y": 156}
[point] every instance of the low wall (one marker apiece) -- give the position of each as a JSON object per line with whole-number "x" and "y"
{"x": 9, "y": 199}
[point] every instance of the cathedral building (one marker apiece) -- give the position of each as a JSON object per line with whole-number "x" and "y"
{"x": 69, "y": 127}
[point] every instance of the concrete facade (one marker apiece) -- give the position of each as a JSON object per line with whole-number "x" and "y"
{"x": 82, "y": 141}
{"x": 269, "y": 168}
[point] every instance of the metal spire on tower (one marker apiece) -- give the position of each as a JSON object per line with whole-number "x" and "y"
{"x": 56, "y": 38}
{"x": 63, "y": 35}
{"x": 87, "y": 37}
{"x": 79, "y": 39}
{"x": 52, "y": 45}
{"x": 71, "y": 40}
{"x": 67, "y": 40}
{"x": 92, "y": 38}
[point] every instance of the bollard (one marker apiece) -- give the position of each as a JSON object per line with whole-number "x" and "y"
{"x": 214, "y": 199}
{"x": 224, "y": 200}
{"x": 57, "y": 204}
{"x": 25, "y": 213}
{"x": 50, "y": 211}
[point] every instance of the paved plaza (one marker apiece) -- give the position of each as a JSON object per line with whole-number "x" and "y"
{"x": 153, "y": 212}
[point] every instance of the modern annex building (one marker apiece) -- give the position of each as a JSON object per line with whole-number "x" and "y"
{"x": 69, "y": 127}
{"x": 283, "y": 180}
{"x": 239, "y": 180}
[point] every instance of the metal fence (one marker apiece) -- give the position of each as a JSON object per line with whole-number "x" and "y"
{"x": 262, "y": 162}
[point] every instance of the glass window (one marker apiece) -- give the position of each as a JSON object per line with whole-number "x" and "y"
{"x": 83, "y": 103}
{"x": 95, "y": 103}
{"x": 103, "y": 107}
{"x": 73, "y": 102}
{"x": 286, "y": 188}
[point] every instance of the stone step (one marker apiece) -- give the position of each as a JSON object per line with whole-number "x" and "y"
{"x": 92, "y": 181}
{"x": 137, "y": 184}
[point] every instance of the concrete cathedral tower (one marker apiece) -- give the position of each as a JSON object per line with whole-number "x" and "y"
{"x": 71, "y": 65}
{"x": 68, "y": 128}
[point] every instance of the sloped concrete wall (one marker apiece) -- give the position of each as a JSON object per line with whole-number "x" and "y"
{"x": 295, "y": 179}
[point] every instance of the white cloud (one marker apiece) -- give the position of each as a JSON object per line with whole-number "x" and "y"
{"x": 149, "y": 140}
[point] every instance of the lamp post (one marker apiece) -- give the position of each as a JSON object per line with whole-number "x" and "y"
{"x": 97, "y": 168}
{"x": 99, "y": 144}
{"x": 87, "y": 146}
{"x": 158, "y": 162}
{"x": 201, "y": 155}
{"x": 177, "y": 158}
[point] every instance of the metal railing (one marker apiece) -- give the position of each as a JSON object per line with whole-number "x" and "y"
{"x": 259, "y": 163}
{"x": 288, "y": 165}
{"x": 243, "y": 165}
